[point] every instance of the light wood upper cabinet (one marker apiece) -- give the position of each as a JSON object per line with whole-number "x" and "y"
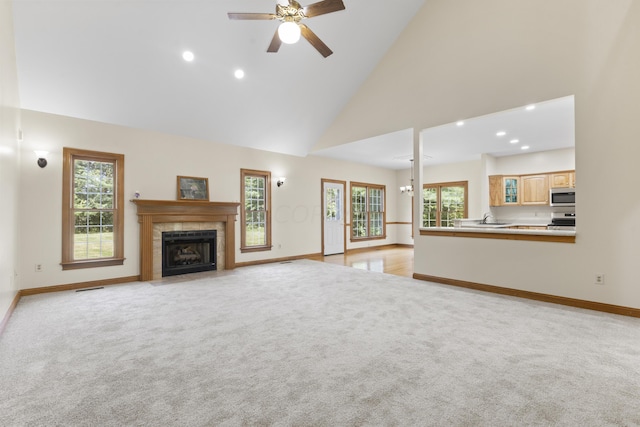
{"x": 527, "y": 189}
{"x": 535, "y": 190}
{"x": 504, "y": 190}
{"x": 510, "y": 190}
{"x": 495, "y": 190}
{"x": 565, "y": 179}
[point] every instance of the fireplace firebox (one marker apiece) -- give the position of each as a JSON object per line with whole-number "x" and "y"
{"x": 188, "y": 252}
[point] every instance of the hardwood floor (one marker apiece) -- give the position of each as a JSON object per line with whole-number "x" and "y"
{"x": 396, "y": 260}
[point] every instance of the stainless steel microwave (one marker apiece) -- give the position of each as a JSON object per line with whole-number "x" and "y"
{"x": 562, "y": 197}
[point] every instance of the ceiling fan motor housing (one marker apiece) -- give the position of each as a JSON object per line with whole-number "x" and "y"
{"x": 292, "y": 13}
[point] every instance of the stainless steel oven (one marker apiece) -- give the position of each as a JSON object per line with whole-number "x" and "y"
{"x": 565, "y": 221}
{"x": 562, "y": 197}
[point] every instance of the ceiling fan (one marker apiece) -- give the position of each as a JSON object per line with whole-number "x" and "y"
{"x": 291, "y": 28}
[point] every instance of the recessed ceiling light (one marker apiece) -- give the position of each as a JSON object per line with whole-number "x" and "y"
{"x": 501, "y": 133}
{"x": 530, "y": 107}
{"x": 188, "y": 56}
{"x": 514, "y": 141}
{"x": 239, "y": 74}
{"x": 460, "y": 123}
{"x": 524, "y": 147}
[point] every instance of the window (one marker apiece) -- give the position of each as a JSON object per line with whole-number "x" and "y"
{"x": 367, "y": 211}
{"x": 92, "y": 209}
{"x": 256, "y": 210}
{"x": 443, "y": 203}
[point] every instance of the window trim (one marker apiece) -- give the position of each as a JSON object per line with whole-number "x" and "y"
{"x": 384, "y": 211}
{"x": 438, "y": 186}
{"x": 243, "y": 216}
{"x": 69, "y": 155}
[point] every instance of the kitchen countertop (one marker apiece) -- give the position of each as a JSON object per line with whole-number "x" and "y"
{"x": 502, "y": 229}
{"x": 501, "y": 225}
{"x": 502, "y": 232}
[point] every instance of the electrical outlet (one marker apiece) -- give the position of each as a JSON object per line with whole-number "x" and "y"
{"x": 599, "y": 279}
{"x": 38, "y": 268}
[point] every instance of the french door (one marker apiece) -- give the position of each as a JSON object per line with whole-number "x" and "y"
{"x": 443, "y": 203}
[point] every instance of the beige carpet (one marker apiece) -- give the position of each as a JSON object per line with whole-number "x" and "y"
{"x": 313, "y": 344}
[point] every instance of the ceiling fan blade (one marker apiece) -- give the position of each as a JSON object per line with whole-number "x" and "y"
{"x": 315, "y": 41}
{"x": 275, "y": 43}
{"x": 252, "y": 16}
{"x": 323, "y": 7}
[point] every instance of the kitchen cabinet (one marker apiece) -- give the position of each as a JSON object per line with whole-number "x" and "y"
{"x": 511, "y": 190}
{"x": 565, "y": 179}
{"x": 495, "y": 190}
{"x": 524, "y": 190}
{"x": 504, "y": 190}
{"x": 535, "y": 190}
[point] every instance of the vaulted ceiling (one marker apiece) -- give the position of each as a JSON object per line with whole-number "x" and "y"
{"x": 395, "y": 67}
{"x": 121, "y": 62}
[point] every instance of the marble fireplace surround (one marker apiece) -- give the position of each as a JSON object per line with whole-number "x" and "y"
{"x": 156, "y": 216}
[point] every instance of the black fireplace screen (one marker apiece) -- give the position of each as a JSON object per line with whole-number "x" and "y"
{"x": 188, "y": 252}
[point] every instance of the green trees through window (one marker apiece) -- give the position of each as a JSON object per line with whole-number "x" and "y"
{"x": 93, "y": 205}
{"x": 367, "y": 211}
{"x": 443, "y": 203}
{"x": 256, "y": 210}
{"x": 92, "y": 209}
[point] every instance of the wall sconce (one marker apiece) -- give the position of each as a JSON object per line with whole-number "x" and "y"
{"x": 42, "y": 158}
{"x": 281, "y": 181}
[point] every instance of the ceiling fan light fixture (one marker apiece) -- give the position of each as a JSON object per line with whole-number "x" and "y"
{"x": 188, "y": 56}
{"x": 289, "y": 32}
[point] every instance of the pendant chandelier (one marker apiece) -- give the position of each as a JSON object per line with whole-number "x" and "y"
{"x": 408, "y": 190}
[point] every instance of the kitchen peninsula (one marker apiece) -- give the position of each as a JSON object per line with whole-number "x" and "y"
{"x": 503, "y": 231}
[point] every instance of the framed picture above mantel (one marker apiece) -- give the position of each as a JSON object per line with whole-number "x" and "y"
{"x": 193, "y": 188}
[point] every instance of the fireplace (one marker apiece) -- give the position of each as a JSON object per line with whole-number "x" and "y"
{"x": 158, "y": 216}
{"x": 188, "y": 252}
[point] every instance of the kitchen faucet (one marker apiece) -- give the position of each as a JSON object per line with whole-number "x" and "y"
{"x": 485, "y": 217}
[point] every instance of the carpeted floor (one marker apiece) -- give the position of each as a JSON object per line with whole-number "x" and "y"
{"x": 313, "y": 344}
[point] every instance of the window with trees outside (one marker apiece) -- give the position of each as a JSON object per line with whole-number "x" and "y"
{"x": 367, "y": 211}
{"x": 92, "y": 209}
{"x": 443, "y": 203}
{"x": 256, "y": 210}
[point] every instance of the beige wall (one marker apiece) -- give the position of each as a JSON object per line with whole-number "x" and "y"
{"x": 9, "y": 161}
{"x": 152, "y": 162}
{"x": 461, "y": 59}
{"x": 589, "y": 48}
{"x": 457, "y": 59}
{"x": 545, "y": 161}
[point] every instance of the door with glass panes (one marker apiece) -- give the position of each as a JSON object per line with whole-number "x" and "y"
{"x": 333, "y": 199}
{"x": 444, "y": 203}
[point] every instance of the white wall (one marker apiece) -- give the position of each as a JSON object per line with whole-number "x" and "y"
{"x": 9, "y": 161}
{"x": 542, "y": 162}
{"x": 152, "y": 162}
{"x": 594, "y": 56}
{"x": 461, "y": 59}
